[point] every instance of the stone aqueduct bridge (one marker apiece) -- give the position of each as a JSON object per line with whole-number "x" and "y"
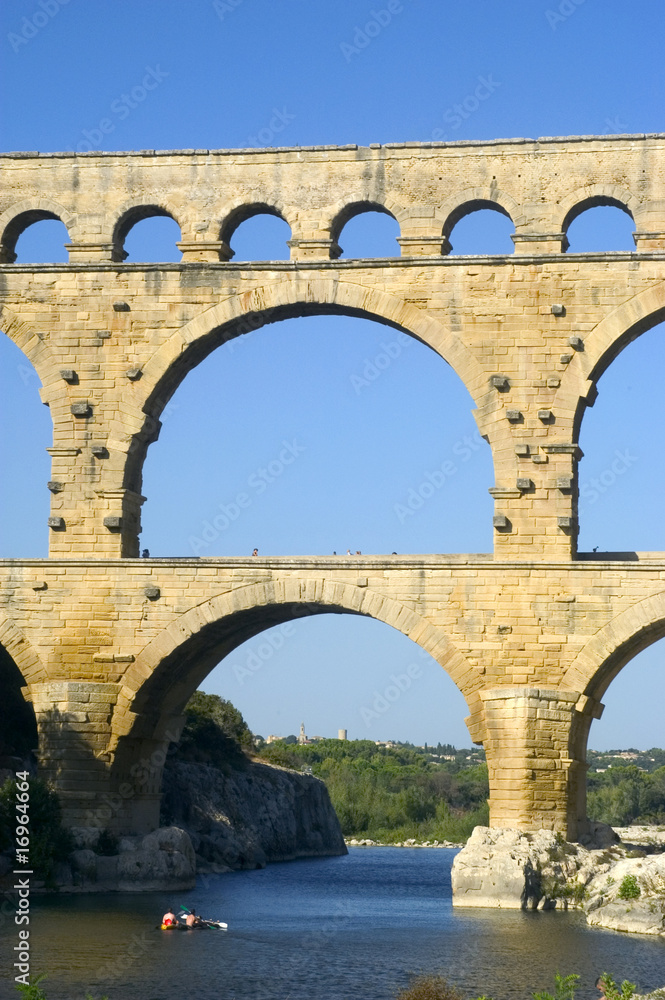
{"x": 110, "y": 647}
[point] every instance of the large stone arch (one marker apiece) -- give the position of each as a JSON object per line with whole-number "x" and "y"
{"x": 595, "y": 667}
{"x": 291, "y": 296}
{"x": 199, "y": 638}
{"x": 612, "y": 647}
{"x": 22, "y": 652}
{"x": 603, "y": 344}
{"x": 148, "y": 712}
{"x": 36, "y": 348}
{"x": 294, "y": 296}
{"x": 38, "y": 351}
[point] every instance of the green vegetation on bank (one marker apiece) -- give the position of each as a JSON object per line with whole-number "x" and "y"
{"x": 622, "y": 796}
{"x": 395, "y": 793}
{"x": 392, "y": 794}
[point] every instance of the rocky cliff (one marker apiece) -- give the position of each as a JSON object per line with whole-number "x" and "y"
{"x": 213, "y": 820}
{"x": 247, "y": 817}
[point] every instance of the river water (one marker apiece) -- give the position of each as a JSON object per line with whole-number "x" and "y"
{"x": 319, "y": 929}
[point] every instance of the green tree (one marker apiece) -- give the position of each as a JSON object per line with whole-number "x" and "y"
{"x": 50, "y": 842}
{"x": 214, "y": 732}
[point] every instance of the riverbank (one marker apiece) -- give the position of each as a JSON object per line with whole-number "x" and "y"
{"x": 353, "y": 842}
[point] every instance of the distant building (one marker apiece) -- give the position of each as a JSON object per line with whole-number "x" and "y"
{"x": 302, "y": 739}
{"x": 274, "y": 739}
{"x": 341, "y": 734}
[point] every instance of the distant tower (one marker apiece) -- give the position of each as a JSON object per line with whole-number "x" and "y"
{"x": 341, "y": 734}
{"x": 302, "y": 738}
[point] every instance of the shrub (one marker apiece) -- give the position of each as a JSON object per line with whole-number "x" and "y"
{"x": 429, "y": 988}
{"x": 33, "y": 990}
{"x": 50, "y": 842}
{"x": 614, "y": 992}
{"x": 629, "y": 888}
{"x": 564, "y": 988}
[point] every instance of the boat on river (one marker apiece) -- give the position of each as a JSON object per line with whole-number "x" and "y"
{"x": 205, "y": 925}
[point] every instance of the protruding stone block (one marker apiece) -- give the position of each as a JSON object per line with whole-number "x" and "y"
{"x": 81, "y": 409}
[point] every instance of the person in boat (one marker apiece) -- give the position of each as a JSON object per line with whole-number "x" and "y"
{"x": 192, "y": 920}
{"x": 169, "y": 918}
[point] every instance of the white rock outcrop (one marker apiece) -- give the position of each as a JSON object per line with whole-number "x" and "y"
{"x": 613, "y": 899}
{"x": 523, "y": 870}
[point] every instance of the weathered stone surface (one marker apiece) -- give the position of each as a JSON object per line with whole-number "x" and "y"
{"x": 248, "y": 818}
{"x": 501, "y": 868}
{"x": 643, "y": 915}
{"x": 650, "y": 838}
{"x": 86, "y": 837}
{"x": 517, "y": 870}
{"x": 162, "y": 860}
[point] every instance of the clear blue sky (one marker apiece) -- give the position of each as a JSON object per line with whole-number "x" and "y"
{"x": 223, "y": 71}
